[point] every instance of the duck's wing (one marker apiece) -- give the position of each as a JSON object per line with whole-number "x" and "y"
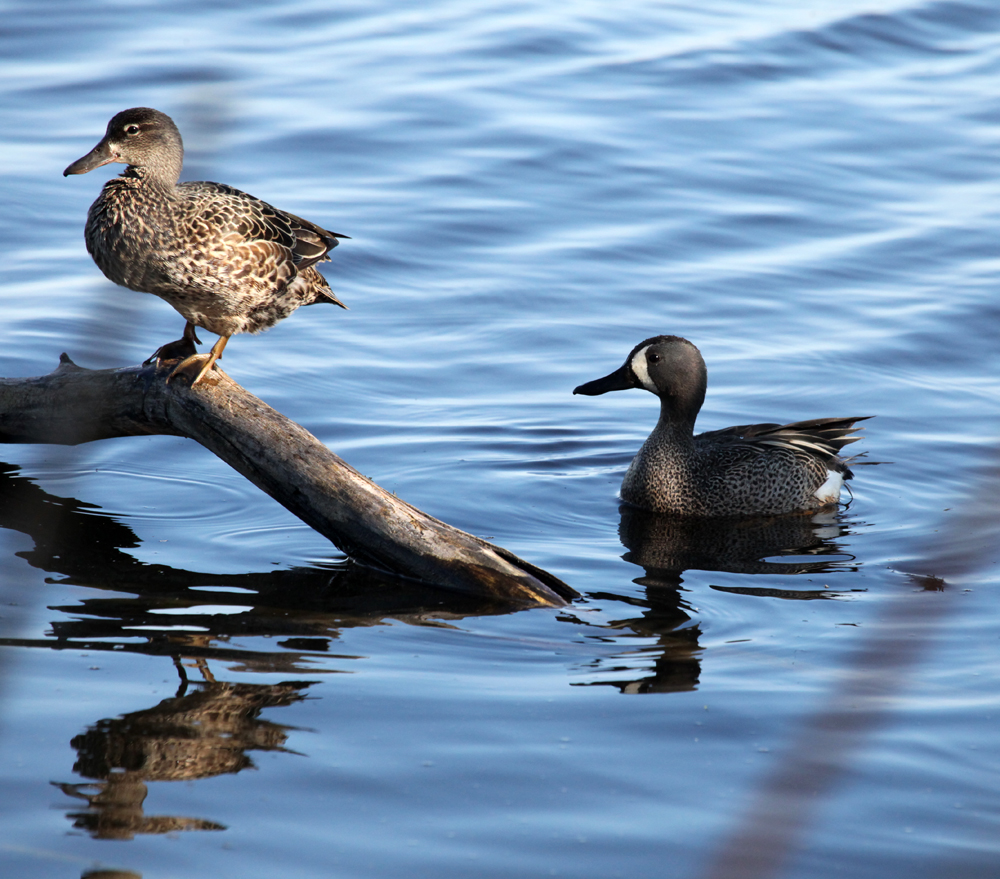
{"x": 821, "y": 438}
{"x": 312, "y": 243}
{"x": 737, "y": 432}
{"x": 240, "y": 218}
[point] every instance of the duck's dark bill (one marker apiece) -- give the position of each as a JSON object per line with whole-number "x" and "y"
{"x": 620, "y": 380}
{"x": 99, "y": 155}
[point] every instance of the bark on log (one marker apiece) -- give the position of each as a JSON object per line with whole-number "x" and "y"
{"x": 75, "y": 405}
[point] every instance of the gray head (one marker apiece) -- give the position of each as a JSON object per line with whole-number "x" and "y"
{"x": 668, "y": 366}
{"x": 140, "y": 138}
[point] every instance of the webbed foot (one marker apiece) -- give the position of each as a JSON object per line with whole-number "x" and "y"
{"x": 193, "y": 363}
{"x": 193, "y": 368}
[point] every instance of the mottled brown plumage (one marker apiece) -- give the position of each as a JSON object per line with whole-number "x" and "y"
{"x": 227, "y": 261}
{"x": 751, "y": 469}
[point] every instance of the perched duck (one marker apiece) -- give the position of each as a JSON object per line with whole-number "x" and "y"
{"x": 227, "y": 261}
{"x": 764, "y": 469}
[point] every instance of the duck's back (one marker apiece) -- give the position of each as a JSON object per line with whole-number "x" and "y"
{"x": 222, "y": 217}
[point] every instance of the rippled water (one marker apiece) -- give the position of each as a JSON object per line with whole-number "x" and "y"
{"x": 809, "y": 192}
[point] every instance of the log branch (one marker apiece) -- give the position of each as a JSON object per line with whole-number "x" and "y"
{"x": 75, "y": 405}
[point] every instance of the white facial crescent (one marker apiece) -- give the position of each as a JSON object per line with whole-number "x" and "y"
{"x": 640, "y": 370}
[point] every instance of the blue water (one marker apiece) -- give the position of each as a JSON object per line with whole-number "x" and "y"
{"x": 811, "y": 195}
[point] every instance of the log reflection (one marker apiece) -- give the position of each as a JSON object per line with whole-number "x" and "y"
{"x": 192, "y": 614}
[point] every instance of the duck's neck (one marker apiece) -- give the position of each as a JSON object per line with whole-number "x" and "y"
{"x": 162, "y": 176}
{"x": 676, "y": 423}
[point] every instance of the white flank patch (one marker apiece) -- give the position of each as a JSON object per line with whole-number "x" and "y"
{"x": 641, "y": 372}
{"x": 829, "y": 491}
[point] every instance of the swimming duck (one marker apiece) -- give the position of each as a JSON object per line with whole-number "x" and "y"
{"x": 228, "y": 262}
{"x": 764, "y": 469}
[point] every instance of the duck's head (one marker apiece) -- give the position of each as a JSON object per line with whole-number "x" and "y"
{"x": 668, "y": 366}
{"x": 141, "y": 138}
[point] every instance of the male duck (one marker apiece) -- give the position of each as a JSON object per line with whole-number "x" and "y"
{"x": 764, "y": 469}
{"x": 227, "y": 261}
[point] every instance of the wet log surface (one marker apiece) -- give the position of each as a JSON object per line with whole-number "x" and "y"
{"x": 75, "y": 405}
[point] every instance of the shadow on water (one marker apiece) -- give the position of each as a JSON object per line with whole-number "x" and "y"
{"x": 666, "y": 546}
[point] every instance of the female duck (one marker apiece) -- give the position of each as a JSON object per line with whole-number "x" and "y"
{"x": 227, "y": 261}
{"x": 764, "y": 469}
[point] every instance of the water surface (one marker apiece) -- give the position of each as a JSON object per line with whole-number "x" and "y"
{"x": 808, "y": 193}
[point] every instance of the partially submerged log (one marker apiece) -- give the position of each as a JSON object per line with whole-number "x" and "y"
{"x": 74, "y": 405}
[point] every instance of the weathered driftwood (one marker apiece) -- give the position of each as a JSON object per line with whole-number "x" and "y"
{"x": 74, "y": 405}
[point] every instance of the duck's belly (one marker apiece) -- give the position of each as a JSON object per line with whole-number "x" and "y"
{"x": 229, "y": 314}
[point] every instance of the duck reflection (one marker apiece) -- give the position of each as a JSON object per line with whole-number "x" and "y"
{"x": 187, "y": 737}
{"x": 668, "y": 650}
{"x": 666, "y": 546}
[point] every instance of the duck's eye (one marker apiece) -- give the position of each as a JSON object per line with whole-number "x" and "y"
{"x": 131, "y": 129}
